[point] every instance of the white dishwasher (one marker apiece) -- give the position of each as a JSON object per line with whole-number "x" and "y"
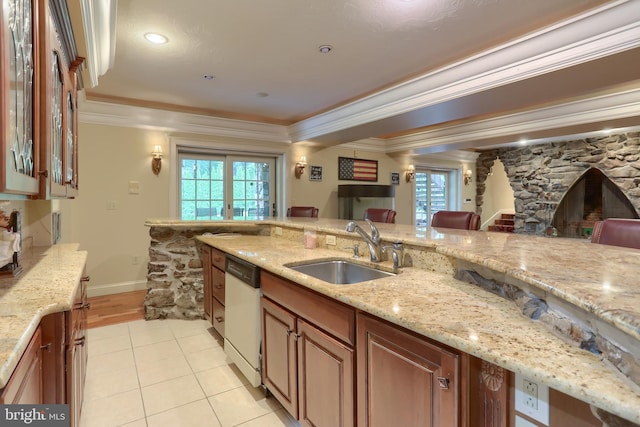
{"x": 242, "y": 329}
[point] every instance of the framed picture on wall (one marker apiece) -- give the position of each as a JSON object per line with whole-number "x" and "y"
{"x": 395, "y": 178}
{"x": 315, "y": 173}
{"x": 357, "y": 169}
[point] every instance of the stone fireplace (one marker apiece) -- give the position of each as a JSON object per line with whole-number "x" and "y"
{"x": 569, "y": 185}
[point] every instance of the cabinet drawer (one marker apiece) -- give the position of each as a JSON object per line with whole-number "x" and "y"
{"x": 217, "y": 258}
{"x": 217, "y": 317}
{"x": 332, "y": 316}
{"x": 217, "y": 284}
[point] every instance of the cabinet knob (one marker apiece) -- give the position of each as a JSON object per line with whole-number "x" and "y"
{"x": 85, "y": 278}
{"x": 218, "y": 286}
{"x": 86, "y": 306}
{"x": 219, "y": 319}
{"x": 79, "y": 341}
{"x": 46, "y": 347}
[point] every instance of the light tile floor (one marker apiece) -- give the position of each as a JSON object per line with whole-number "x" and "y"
{"x": 169, "y": 373}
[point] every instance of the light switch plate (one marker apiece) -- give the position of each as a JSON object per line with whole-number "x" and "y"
{"x": 331, "y": 240}
{"x": 134, "y": 187}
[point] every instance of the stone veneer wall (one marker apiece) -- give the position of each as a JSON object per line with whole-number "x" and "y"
{"x": 174, "y": 278}
{"x": 541, "y": 175}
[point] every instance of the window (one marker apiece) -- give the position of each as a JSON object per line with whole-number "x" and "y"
{"x": 216, "y": 187}
{"x": 432, "y": 194}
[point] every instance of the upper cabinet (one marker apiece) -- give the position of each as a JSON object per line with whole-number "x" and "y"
{"x": 39, "y": 74}
{"x": 19, "y": 98}
{"x": 58, "y": 123}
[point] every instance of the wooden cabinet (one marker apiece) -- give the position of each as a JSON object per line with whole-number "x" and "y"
{"x": 25, "y": 384}
{"x": 214, "y": 286}
{"x": 403, "y": 379}
{"x": 76, "y": 351}
{"x": 307, "y": 368}
{"x": 38, "y": 100}
{"x": 19, "y": 97}
{"x": 58, "y": 148}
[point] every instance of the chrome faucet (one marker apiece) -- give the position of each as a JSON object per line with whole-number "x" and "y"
{"x": 397, "y": 254}
{"x": 372, "y": 241}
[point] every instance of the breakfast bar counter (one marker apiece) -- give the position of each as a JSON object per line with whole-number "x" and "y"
{"x": 445, "y": 295}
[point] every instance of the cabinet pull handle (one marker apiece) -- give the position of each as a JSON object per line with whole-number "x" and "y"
{"x": 86, "y": 306}
{"x": 218, "y": 286}
{"x": 219, "y": 319}
{"x": 79, "y": 341}
{"x": 44, "y": 173}
{"x": 46, "y": 347}
{"x": 85, "y": 278}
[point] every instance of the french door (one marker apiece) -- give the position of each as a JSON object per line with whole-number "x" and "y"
{"x": 218, "y": 187}
{"x": 431, "y": 194}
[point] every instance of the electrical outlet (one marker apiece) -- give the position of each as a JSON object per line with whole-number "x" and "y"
{"x": 331, "y": 240}
{"x": 521, "y": 422}
{"x": 530, "y": 393}
{"x": 532, "y": 399}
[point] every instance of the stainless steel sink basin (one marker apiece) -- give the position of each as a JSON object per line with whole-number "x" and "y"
{"x": 340, "y": 272}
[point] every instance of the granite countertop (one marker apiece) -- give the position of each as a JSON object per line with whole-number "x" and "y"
{"x": 598, "y": 279}
{"x": 47, "y": 285}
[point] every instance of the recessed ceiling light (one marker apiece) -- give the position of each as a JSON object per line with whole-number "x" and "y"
{"x": 325, "y": 48}
{"x": 156, "y": 38}
{"x": 208, "y": 77}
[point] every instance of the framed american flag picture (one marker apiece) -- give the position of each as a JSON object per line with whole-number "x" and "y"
{"x": 357, "y": 169}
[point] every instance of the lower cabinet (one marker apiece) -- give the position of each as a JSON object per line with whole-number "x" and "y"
{"x": 307, "y": 369}
{"x": 76, "y": 352}
{"x": 404, "y": 380}
{"x": 25, "y": 384}
{"x": 213, "y": 261}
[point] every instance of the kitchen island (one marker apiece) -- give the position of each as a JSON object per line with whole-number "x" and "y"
{"x": 444, "y": 296}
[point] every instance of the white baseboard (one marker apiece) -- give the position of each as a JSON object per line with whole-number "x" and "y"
{"x": 115, "y": 288}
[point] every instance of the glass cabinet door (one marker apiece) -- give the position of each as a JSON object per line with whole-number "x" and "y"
{"x": 18, "y": 170}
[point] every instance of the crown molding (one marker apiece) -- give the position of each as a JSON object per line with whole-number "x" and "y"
{"x": 610, "y": 29}
{"x": 99, "y": 22}
{"x": 176, "y": 122}
{"x": 604, "y": 108}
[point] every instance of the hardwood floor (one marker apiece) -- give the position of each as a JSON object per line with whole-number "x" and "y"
{"x": 116, "y": 308}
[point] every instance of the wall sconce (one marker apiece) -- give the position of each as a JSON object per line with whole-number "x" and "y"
{"x": 156, "y": 159}
{"x": 467, "y": 176}
{"x": 410, "y": 174}
{"x": 302, "y": 163}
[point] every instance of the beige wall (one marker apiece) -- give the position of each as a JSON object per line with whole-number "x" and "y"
{"x": 324, "y": 194}
{"x": 116, "y": 239}
{"x": 498, "y": 197}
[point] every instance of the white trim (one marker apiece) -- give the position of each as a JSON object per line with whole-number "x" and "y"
{"x": 99, "y": 22}
{"x": 115, "y": 288}
{"x": 611, "y": 29}
{"x": 171, "y": 121}
{"x": 607, "y": 107}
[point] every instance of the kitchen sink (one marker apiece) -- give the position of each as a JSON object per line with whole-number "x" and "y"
{"x": 339, "y": 272}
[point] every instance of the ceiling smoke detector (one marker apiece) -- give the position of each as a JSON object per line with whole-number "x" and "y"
{"x": 325, "y": 48}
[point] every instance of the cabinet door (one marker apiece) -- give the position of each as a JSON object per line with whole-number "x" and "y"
{"x": 53, "y": 102}
{"x": 18, "y": 98}
{"x": 25, "y": 384}
{"x": 206, "y": 275}
{"x": 325, "y": 379}
{"x": 279, "y": 372}
{"x": 76, "y": 358}
{"x": 404, "y": 380}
